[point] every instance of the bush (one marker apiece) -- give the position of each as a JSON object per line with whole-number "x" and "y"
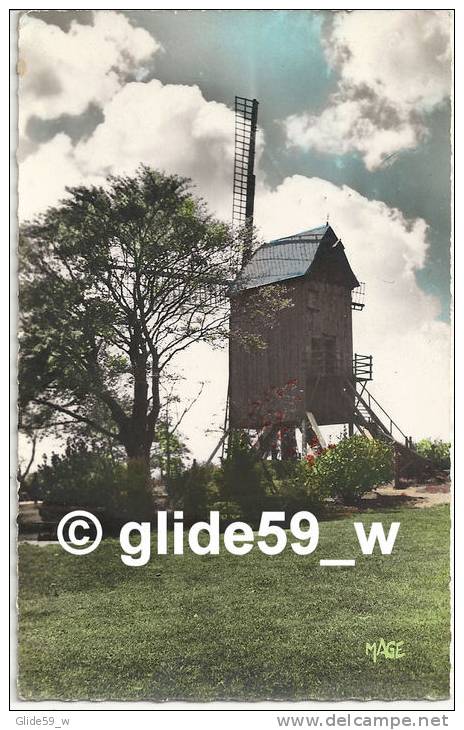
{"x": 194, "y": 490}
{"x": 131, "y": 494}
{"x": 77, "y": 477}
{"x": 87, "y": 478}
{"x": 294, "y": 489}
{"x": 245, "y": 485}
{"x": 352, "y": 467}
{"x": 437, "y": 452}
{"x": 242, "y": 479}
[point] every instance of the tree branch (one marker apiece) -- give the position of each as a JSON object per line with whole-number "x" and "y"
{"x": 77, "y": 417}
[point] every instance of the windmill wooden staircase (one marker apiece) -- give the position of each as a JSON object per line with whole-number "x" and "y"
{"x": 372, "y": 420}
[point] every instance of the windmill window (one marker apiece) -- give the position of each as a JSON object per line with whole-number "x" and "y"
{"x": 324, "y": 355}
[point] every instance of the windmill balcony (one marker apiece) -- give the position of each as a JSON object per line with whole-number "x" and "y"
{"x": 357, "y": 296}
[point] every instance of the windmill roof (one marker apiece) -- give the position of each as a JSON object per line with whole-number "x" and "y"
{"x": 282, "y": 258}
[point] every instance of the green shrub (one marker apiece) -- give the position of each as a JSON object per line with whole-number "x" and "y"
{"x": 294, "y": 489}
{"x": 242, "y": 479}
{"x": 77, "y": 477}
{"x": 132, "y": 497}
{"x": 82, "y": 477}
{"x": 194, "y": 491}
{"x": 244, "y": 486}
{"x": 437, "y": 452}
{"x": 352, "y": 467}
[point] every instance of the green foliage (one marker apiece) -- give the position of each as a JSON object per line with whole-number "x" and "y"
{"x": 228, "y": 511}
{"x": 132, "y": 499}
{"x": 352, "y": 467}
{"x": 194, "y": 491}
{"x": 294, "y": 489}
{"x": 238, "y": 488}
{"x": 243, "y": 486}
{"x": 78, "y": 477}
{"x": 85, "y": 478}
{"x": 114, "y": 282}
{"x": 242, "y": 479}
{"x": 437, "y": 451}
{"x": 169, "y": 451}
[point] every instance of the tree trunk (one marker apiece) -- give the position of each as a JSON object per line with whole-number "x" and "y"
{"x": 139, "y": 432}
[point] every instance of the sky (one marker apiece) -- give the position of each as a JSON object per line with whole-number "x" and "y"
{"x": 354, "y": 125}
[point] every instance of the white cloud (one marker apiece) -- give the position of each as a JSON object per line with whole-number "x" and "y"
{"x": 62, "y": 73}
{"x": 44, "y": 175}
{"x": 170, "y": 127}
{"x": 394, "y": 66}
{"x": 403, "y": 55}
{"x": 346, "y": 126}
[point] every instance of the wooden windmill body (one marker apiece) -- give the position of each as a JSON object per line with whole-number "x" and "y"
{"x": 300, "y": 359}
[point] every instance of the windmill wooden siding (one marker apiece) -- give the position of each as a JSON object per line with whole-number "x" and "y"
{"x": 308, "y": 351}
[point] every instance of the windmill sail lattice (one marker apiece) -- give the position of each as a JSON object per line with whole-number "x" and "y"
{"x": 246, "y": 117}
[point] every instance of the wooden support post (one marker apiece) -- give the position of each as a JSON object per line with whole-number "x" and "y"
{"x": 221, "y": 441}
{"x": 350, "y": 428}
{"x": 261, "y": 441}
{"x": 316, "y": 429}
{"x": 275, "y": 444}
{"x": 304, "y": 437}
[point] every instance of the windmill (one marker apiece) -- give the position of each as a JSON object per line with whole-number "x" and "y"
{"x": 306, "y": 374}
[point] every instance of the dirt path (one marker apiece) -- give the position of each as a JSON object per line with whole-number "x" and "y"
{"x": 417, "y": 495}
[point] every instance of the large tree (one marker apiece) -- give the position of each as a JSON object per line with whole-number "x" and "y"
{"x": 114, "y": 283}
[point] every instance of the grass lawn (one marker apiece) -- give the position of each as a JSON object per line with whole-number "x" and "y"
{"x": 247, "y": 628}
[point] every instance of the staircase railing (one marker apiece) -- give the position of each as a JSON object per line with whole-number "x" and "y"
{"x": 365, "y": 400}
